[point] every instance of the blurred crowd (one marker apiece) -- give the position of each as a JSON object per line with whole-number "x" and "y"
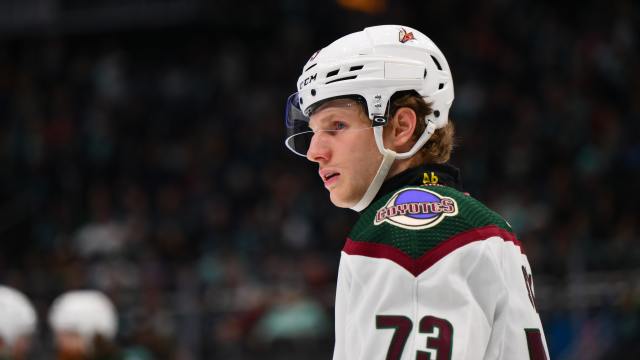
{"x": 149, "y": 164}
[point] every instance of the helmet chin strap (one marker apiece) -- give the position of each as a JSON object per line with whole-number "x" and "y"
{"x": 388, "y": 158}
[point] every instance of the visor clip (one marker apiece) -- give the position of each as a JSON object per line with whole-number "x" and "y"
{"x": 379, "y": 120}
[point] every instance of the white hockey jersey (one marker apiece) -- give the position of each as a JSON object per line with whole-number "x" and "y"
{"x": 429, "y": 273}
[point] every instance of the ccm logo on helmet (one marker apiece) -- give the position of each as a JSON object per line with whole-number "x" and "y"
{"x": 307, "y": 81}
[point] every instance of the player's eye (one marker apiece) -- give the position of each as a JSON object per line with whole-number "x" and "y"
{"x": 339, "y": 125}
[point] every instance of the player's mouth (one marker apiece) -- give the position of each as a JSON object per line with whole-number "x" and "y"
{"x": 329, "y": 177}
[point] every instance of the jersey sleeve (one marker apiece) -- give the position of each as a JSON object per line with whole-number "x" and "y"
{"x": 502, "y": 285}
{"x": 516, "y": 327}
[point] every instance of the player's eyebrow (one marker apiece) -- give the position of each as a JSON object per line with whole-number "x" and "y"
{"x": 323, "y": 120}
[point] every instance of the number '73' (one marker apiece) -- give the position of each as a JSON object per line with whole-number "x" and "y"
{"x": 440, "y": 342}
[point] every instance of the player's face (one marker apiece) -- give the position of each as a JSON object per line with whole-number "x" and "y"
{"x": 345, "y": 150}
{"x": 70, "y": 345}
{"x": 21, "y": 348}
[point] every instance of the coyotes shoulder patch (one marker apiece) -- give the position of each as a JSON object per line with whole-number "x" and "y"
{"x": 416, "y": 208}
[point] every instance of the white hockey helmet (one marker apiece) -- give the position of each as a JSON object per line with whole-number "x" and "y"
{"x": 85, "y": 312}
{"x": 17, "y": 316}
{"x": 372, "y": 65}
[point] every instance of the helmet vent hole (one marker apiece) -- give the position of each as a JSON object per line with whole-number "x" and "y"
{"x": 341, "y": 79}
{"x": 425, "y": 74}
{"x": 333, "y": 73}
{"x": 307, "y": 69}
{"x": 357, "y": 67}
{"x": 436, "y": 113}
{"x": 313, "y": 92}
{"x": 440, "y": 86}
{"x": 437, "y": 63}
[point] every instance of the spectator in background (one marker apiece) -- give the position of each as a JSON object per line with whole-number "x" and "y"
{"x": 18, "y": 321}
{"x": 85, "y": 325}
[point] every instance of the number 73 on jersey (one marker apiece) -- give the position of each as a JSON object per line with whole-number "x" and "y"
{"x": 439, "y": 343}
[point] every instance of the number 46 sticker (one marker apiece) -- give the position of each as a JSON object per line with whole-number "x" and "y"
{"x": 440, "y": 341}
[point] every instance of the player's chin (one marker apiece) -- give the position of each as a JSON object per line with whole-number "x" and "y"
{"x": 340, "y": 199}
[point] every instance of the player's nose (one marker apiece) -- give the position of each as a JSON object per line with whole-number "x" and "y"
{"x": 318, "y": 149}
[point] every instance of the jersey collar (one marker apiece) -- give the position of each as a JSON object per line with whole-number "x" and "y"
{"x": 428, "y": 174}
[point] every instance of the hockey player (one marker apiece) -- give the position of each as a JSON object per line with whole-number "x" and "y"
{"x": 85, "y": 324}
{"x": 427, "y": 272}
{"x": 18, "y": 322}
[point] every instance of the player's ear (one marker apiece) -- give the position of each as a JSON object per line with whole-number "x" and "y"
{"x": 404, "y": 125}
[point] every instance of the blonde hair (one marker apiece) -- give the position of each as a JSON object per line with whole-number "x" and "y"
{"x": 439, "y": 147}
